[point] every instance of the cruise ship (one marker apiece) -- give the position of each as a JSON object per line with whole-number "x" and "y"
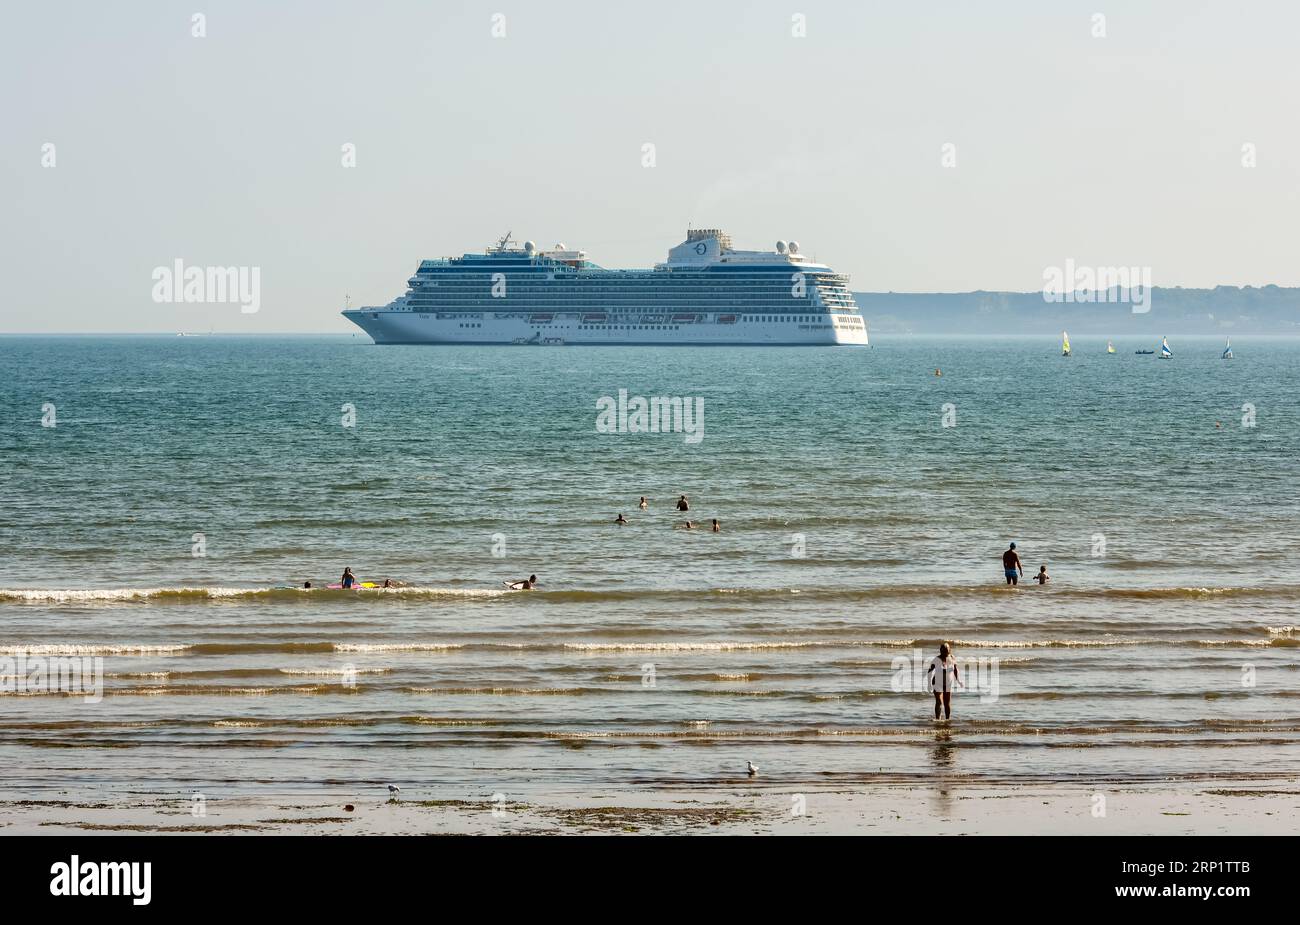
{"x": 705, "y": 293}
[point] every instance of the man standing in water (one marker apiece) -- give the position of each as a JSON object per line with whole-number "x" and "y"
{"x": 1011, "y": 565}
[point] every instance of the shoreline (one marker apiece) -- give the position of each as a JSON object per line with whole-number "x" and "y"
{"x": 1220, "y": 807}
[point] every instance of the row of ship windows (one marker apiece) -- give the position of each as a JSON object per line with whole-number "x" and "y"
{"x": 708, "y": 279}
{"x": 794, "y": 319}
{"x": 526, "y": 303}
{"x": 799, "y": 319}
{"x": 570, "y": 306}
{"x": 843, "y": 319}
{"x": 673, "y": 327}
{"x": 649, "y": 307}
{"x": 656, "y": 286}
{"x": 783, "y": 290}
{"x": 628, "y": 327}
{"x": 624, "y": 279}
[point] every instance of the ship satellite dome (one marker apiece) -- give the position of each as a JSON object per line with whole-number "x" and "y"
{"x": 561, "y": 247}
{"x": 794, "y": 247}
{"x": 780, "y": 247}
{"x": 530, "y": 246}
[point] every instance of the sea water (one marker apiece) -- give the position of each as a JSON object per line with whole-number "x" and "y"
{"x": 162, "y": 499}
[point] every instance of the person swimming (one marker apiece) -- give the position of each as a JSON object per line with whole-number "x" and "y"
{"x": 620, "y": 520}
{"x": 523, "y": 584}
{"x": 643, "y": 503}
{"x": 306, "y": 585}
{"x": 717, "y": 527}
{"x": 348, "y": 579}
{"x": 682, "y": 504}
{"x": 1042, "y": 577}
{"x": 689, "y": 525}
{"x": 388, "y": 583}
{"x": 1011, "y": 564}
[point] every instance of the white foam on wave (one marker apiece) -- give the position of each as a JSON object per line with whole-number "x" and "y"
{"x": 91, "y": 650}
{"x": 93, "y": 595}
{"x": 332, "y": 672}
{"x": 396, "y": 646}
{"x": 738, "y": 646}
{"x": 1047, "y": 643}
{"x": 1104, "y": 642}
{"x": 446, "y": 592}
{"x": 111, "y": 595}
{"x": 1233, "y": 643}
{"x": 684, "y": 646}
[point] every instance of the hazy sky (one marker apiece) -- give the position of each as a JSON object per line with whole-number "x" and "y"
{"x": 226, "y": 149}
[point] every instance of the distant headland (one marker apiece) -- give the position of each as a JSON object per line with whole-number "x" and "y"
{"x": 1221, "y": 310}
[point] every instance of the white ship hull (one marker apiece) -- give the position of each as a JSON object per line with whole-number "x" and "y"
{"x": 387, "y": 326}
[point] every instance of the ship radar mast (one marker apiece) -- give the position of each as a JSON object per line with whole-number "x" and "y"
{"x": 503, "y": 243}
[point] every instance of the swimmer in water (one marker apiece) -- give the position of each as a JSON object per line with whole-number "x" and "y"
{"x": 682, "y": 504}
{"x": 348, "y": 579}
{"x": 388, "y": 583}
{"x": 620, "y": 520}
{"x": 524, "y": 584}
{"x": 1042, "y": 577}
{"x": 643, "y": 504}
{"x": 717, "y": 527}
{"x": 306, "y": 585}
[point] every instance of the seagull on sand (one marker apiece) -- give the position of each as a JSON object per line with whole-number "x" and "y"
{"x": 751, "y": 768}
{"x": 393, "y": 788}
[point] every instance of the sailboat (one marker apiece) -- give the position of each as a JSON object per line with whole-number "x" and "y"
{"x": 1065, "y": 344}
{"x": 1165, "y": 352}
{"x": 1227, "y": 351}
{"x": 1110, "y": 348}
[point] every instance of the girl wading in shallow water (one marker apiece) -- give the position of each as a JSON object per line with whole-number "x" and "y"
{"x": 944, "y": 679}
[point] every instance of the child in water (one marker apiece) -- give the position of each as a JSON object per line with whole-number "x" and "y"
{"x": 943, "y": 678}
{"x": 1042, "y": 577}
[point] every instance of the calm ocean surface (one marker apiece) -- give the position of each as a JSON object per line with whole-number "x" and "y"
{"x": 1173, "y": 545}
